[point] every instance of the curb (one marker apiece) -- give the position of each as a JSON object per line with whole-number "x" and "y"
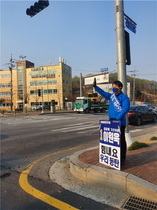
{"x": 35, "y": 113}
{"x": 128, "y": 183}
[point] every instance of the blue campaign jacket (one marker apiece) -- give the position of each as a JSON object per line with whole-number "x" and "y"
{"x": 124, "y": 102}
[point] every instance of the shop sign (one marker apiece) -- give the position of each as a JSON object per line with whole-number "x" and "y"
{"x": 43, "y": 75}
{"x": 37, "y": 69}
{"x": 6, "y": 99}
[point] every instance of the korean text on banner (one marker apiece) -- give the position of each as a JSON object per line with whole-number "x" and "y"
{"x": 109, "y": 143}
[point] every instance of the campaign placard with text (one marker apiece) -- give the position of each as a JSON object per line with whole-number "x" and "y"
{"x": 109, "y": 143}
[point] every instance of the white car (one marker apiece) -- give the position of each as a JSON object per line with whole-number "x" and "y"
{"x": 47, "y": 107}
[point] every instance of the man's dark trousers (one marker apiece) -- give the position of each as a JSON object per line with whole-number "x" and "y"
{"x": 123, "y": 143}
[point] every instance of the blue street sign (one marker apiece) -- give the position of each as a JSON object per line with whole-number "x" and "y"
{"x": 131, "y": 26}
{"x": 103, "y": 69}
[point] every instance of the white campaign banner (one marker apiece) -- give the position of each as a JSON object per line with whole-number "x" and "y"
{"x": 99, "y": 79}
{"x": 109, "y": 143}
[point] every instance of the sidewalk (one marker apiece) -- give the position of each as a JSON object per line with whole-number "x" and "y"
{"x": 6, "y": 114}
{"x": 31, "y": 113}
{"x": 140, "y": 162}
{"x": 138, "y": 176}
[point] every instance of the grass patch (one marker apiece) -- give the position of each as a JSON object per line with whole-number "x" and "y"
{"x": 153, "y": 138}
{"x": 137, "y": 145}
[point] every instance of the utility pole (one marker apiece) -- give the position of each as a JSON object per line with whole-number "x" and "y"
{"x": 11, "y": 85}
{"x": 80, "y": 84}
{"x": 154, "y": 91}
{"x": 109, "y": 78}
{"x": 24, "y": 84}
{"x": 120, "y": 37}
{"x": 121, "y": 55}
{"x": 11, "y": 66}
{"x": 134, "y": 75}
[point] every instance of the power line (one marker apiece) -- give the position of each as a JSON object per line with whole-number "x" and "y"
{"x": 148, "y": 74}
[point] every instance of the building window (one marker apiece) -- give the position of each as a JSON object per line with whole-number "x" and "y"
{"x": 55, "y": 91}
{"x": 50, "y": 91}
{"x": 7, "y": 93}
{"x": 45, "y": 91}
{"x": 33, "y": 92}
{"x": 43, "y": 82}
{"x": 20, "y": 92}
{"x": 5, "y": 85}
{"x": 5, "y": 105}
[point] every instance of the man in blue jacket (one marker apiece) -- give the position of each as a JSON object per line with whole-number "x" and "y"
{"x": 119, "y": 106}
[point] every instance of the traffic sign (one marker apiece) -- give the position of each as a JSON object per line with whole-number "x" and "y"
{"x": 131, "y": 26}
{"x": 103, "y": 69}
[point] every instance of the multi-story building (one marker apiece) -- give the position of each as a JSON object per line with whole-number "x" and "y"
{"x": 54, "y": 82}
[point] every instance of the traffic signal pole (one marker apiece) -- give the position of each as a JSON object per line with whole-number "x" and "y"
{"x": 120, "y": 36}
{"x": 11, "y": 88}
{"x": 121, "y": 55}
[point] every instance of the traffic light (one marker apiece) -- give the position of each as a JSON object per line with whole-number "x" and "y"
{"x": 39, "y": 92}
{"x": 127, "y": 48}
{"x": 38, "y": 6}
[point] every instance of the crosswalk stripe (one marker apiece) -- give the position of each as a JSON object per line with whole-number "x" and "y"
{"x": 74, "y": 128}
{"x": 136, "y": 130}
{"x": 70, "y": 126}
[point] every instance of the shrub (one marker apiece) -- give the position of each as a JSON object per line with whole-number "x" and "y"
{"x": 137, "y": 145}
{"x": 153, "y": 138}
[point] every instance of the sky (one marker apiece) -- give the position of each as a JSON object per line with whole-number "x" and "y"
{"x": 81, "y": 32}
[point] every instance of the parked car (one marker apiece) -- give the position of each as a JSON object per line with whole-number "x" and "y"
{"x": 139, "y": 114}
{"x": 149, "y": 106}
{"x": 45, "y": 107}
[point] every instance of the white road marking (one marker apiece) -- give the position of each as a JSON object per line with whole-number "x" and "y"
{"x": 75, "y": 128}
{"x": 136, "y": 130}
